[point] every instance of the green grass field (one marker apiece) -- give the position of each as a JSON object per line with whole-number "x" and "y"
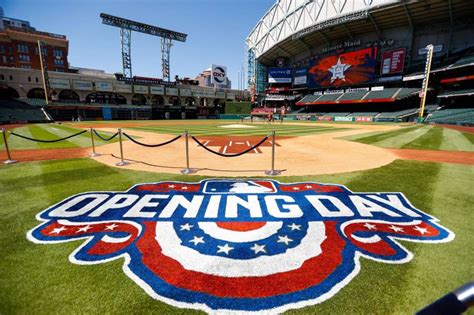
{"x": 50, "y": 132}
{"x": 419, "y": 137}
{"x": 40, "y": 279}
{"x": 255, "y": 129}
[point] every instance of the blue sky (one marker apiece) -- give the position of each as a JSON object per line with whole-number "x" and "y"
{"x": 216, "y": 31}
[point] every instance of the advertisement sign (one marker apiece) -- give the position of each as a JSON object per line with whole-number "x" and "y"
{"x": 393, "y": 61}
{"x": 104, "y": 86}
{"x": 209, "y": 93}
{"x": 123, "y": 88}
{"x": 349, "y": 68}
{"x": 220, "y": 94}
{"x": 300, "y": 76}
{"x": 198, "y": 93}
{"x": 140, "y": 89}
{"x": 342, "y": 118}
{"x": 365, "y": 119}
{"x": 185, "y": 92}
{"x": 230, "y": 96}
{"x": 279, "y": 75}
{"x": 82, "y": 85}
{"x": 172, "y": 91}
{"x": 107, "y": 113}
{"x": 157, "y": 90}
{"x": 325, "y": 118}
{"x": 59, "y": 83}
{"x": 218, "y": 75}
{"x": 436, "y": 49}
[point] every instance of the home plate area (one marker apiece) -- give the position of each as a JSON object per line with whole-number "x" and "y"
{"x": 236, "y": 144}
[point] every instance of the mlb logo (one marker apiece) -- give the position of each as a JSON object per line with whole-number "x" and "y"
{"x": 239, "y": 187}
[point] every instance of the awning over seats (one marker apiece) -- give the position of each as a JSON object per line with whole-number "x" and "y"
{"x": 468, "y": 92}
{"x": 374, "y": 96}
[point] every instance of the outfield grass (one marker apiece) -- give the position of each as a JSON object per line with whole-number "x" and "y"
{"x": 420, "y": 137}
{"x": 40, "y": 279}
{"x": 49, "y": 132}
{"x": 257, "y": 129}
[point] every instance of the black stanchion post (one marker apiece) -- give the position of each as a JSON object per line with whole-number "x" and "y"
{"x": 187, "y": 170}
{"x": 122, "y": 162}
{"x": 93, "y": 154}
{"x": 273, "y": 172}
{"x": 9, "y": 157}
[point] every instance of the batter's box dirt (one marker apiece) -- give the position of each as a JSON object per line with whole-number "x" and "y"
{"x": 231, "y": 145}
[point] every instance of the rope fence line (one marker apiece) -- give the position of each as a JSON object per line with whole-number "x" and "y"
{"x": 233, "y": 154}
{"x": 46, "y": 141}
{"x": 103, "y": 138}
{"x": 151, "y": 145}
{"x": 122, "y": 162}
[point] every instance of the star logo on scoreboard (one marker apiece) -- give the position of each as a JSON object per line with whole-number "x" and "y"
{"x": 338, "y": 70}
{"x": 247, "y": 245}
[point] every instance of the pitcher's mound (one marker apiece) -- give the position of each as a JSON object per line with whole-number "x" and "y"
{"x": 237, "y": 126}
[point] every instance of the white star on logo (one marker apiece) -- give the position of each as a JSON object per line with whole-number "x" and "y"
{"x": 184, "y": 187}
{"x": 284, "y": 239}
{"x": 308, "y": 186}
{"x": 171, "y": 186}
{"x": 293, "y": 226}
{"x": 370, "y": 226}
{"x": 395, "y": 229}
{"x": 338, "y": 70}
{"x": 258, "y": 248}
{"x": 84, "y": 229}
{"x": 186, "y": 227}
{"x": 111, "y": 227}
{"x": 196, "y": 240}
{"x": 224, "y": 249}
{"x": 58, "y": 230}
{"x": 421, "y": 230}
{"x": 295, "y": 188}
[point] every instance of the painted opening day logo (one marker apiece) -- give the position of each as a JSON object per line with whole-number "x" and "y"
{"x": 238, "y": 245}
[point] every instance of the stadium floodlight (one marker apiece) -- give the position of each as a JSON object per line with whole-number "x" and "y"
{"x": 127, "y": 26}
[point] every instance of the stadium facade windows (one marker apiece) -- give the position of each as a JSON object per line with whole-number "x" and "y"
{"x": 58, "y": 62}
{"x": 2, "y": 49}
{"x": 23, "y": 66}
{"x": 2, "y": 77}
{"x": 22, "y": 48}
{"x": 57, "y": 53}
{"x": 43, "y": 50}
{"x": 24, "y": 58}
{"x": 4, "y": 59}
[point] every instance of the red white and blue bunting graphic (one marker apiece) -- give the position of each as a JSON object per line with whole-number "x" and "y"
{"x": 238, "y": 245}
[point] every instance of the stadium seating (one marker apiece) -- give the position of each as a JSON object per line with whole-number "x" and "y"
{"x": 453, "y": 116}
{"x": 34, "y": 101}
{"x": 329, "y": 97}
{"x": 406, "y": 92}
{"x": 309, "y": 98}
{"x": 363, "y": 114}
{"x": 385, "y": 93}
{"x": 398, "y": 114}
{"x": 12, "y": 111}
{"x": 352, "y": 96}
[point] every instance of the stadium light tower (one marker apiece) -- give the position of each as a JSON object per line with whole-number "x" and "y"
{"x": 126, "y": 28}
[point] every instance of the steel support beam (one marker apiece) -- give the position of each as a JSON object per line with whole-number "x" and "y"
{"x": 410, "y": 20}
{"x": 376, "y": 27}
{"x": 451, "y": 26}
{"x": 126, "y": 40}
{"x": 348, "y": 31}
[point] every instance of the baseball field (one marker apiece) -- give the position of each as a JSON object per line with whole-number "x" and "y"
{"x": 432, "y": 166}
